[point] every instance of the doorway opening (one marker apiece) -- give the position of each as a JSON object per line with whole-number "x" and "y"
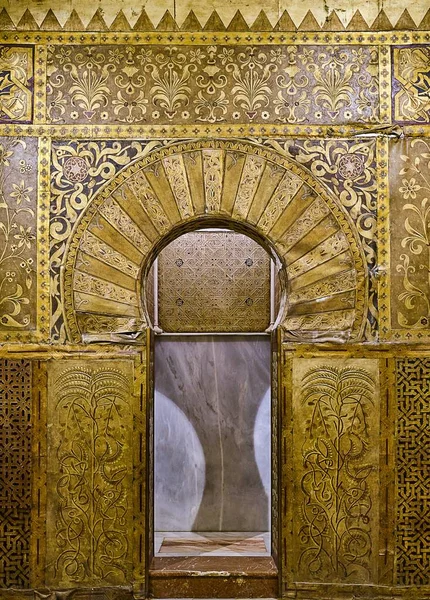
{"x": 213, "y": 298}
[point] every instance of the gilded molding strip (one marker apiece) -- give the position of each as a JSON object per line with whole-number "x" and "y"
{"x": 383, "y": 236}
{"x": 228, "y": 38}
{"x": 163, "y": 132}
{"x": 286, "y": 504}
{"x": 44, "y": 191}
{"x": 384, "y": 84}
{"x": 387, "y": 466}
{"x": 40, "y": 53}
{"x": 140, "y": 475}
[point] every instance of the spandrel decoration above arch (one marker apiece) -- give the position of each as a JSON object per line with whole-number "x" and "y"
{"x": 241, "y": 185}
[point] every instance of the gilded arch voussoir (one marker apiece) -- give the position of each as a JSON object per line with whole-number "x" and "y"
{"x": 255, "y": 186}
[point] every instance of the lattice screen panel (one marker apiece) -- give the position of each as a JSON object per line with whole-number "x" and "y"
{"x": 413, "y": 471}
{"x": 15, "y": 472}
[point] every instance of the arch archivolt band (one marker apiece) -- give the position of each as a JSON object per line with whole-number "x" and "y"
{"x": 191, "y": 184}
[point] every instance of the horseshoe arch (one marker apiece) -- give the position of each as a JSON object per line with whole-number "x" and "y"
{"x": 244, "y": 186}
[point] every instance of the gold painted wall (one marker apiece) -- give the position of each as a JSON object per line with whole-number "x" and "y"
{"x": 309, "y": 132}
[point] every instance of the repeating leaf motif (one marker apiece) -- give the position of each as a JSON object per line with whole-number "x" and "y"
{"x": 212, "y": 84}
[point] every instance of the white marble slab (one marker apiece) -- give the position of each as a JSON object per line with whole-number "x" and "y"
{"x": 212, "y": 433}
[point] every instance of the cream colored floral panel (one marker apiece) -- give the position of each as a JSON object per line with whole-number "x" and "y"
{"x": 409, "y": 239}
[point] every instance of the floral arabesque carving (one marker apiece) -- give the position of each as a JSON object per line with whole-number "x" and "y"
{"x": 414, "y": 265}
{"x": 335, "y": 532}
{"x": 79, "y": 169}
{"x": 91, "y": 491}
{"x": 348, "y": 168}
{"x": 181, "y": 84}
{"x": 17, "y": 234}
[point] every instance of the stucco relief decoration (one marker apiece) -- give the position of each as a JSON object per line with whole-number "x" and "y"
{"x": 90, "y": 505}
{"x": 411, "y": 84}
{"x": 16, "y": 84}
{"x": 348, "y": 168}
{"x": 15, "y": 472}
{"x": 212, "y": 84}
{"x": 337, "y": 405}
{"x": 78, "y": 170}
{"x": 18, "y": 189}
{"x": 410, "y": 237}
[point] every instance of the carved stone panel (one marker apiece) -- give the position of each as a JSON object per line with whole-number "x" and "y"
{"x": 15, "y": 472}
{"x": 90, "y": 505}
{"x": 335, "y": 471}
{"x": 413, "y": 473}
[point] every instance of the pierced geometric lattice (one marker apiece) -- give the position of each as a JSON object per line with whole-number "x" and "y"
{"x": 413, "y": 471}
{"x": 15, "y": 468}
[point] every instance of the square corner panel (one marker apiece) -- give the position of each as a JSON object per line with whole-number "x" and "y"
{"x": 16, "y": 84}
